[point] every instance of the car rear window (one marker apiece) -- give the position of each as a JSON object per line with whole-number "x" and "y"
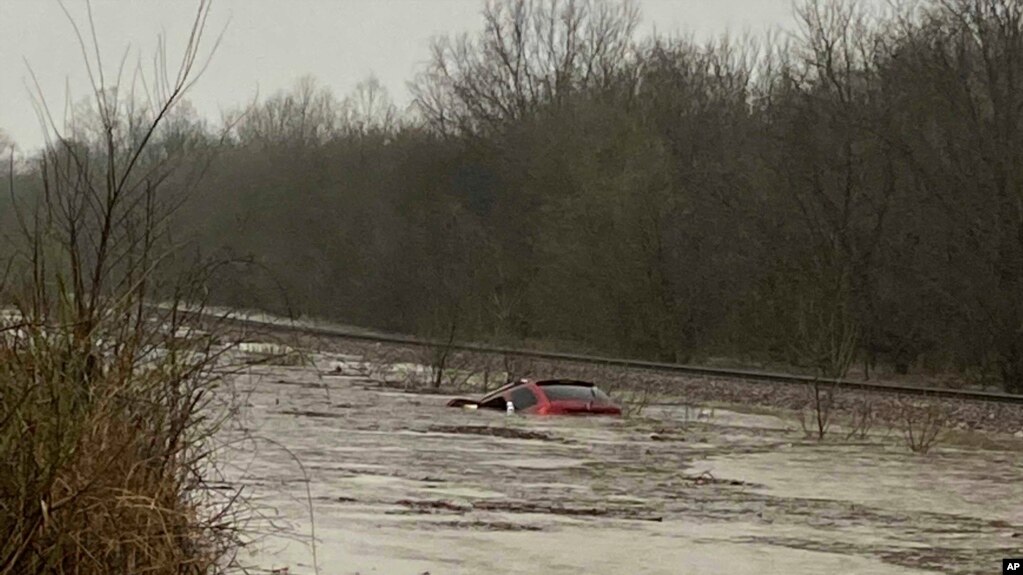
{"x": 567, "y": 391}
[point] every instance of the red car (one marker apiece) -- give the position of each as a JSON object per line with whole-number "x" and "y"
{"x": 547, "y": 397}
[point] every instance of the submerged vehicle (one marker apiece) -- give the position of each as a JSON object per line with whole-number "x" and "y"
{"x": 545, "y": 397}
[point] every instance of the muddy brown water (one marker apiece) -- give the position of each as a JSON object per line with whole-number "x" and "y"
{"x": 399, "y": 484}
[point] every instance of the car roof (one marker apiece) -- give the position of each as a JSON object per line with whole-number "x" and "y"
{"x": 575, "y": 382}
{"x": 521, "y": 382}
{"x": 507, "y": 387}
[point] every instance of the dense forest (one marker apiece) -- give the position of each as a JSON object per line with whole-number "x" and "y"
{"x": 850, "y": 194}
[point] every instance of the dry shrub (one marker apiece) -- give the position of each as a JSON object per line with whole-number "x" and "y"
{"x": 922, "y": 423}
{"x": 379, "y": 358}
{"x": 463, "y": 370}
{"x": 105, "y": 443}
{"x": 410, "y": 367}
{"x": 430, "y": 367}
{"x": 862, "y": 418}
{"x": 633, "y": 394}
{"x": 815, "y": 415}
{"x": 107, "y": 402}
{"x": 632, "y": 401}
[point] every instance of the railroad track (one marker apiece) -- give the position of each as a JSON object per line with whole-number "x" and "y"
{"x": 743, "y": 374}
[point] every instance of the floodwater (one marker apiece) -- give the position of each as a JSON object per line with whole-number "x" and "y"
{"x": 397, "y": 484}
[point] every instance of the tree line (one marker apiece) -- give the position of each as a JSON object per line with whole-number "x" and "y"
{"x": 849, "y": 195}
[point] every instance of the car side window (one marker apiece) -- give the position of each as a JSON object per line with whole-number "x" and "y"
{"x": 496, "y": 402}
{"x": 523, "y": 398}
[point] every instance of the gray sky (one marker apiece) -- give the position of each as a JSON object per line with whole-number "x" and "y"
{"x": 267, "y": 45}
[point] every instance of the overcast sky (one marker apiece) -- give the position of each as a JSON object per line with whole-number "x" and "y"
{"x": 267, "y": 45}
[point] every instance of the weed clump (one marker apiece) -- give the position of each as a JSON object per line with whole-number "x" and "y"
{"x": 107, "y": 403}
{"x": 105, "y": 452}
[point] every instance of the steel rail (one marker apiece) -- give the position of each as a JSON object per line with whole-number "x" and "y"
{"x": 742, "y": 374}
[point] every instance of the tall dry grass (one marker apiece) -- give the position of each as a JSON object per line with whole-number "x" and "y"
{"x": 108, "y": 410}
{"x": 105, "y": 443}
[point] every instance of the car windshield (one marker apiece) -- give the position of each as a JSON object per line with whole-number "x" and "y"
{"x": 575, "y": 392}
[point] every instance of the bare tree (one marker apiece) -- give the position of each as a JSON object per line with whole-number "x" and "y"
{"x": 530, "y": 53}
{"x": 368, "y": 110}
{"x": 308, "y": 114}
